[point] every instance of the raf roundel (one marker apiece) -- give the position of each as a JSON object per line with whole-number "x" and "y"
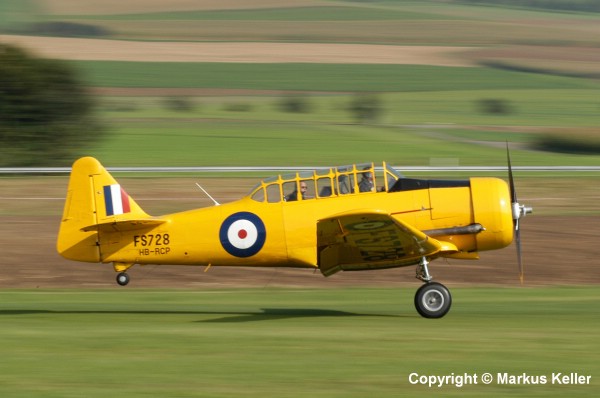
{"x": 243, "y": 234}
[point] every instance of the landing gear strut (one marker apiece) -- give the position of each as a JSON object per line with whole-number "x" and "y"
{"x": 122, "y": 278}
{"x": 423, "y": 271}
{"x": 432, "y": 300}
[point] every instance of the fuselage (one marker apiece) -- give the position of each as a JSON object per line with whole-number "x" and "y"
{"x": 258, "y": 230}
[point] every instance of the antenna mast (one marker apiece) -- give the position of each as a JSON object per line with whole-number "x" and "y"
{"x": 207, "y": 194}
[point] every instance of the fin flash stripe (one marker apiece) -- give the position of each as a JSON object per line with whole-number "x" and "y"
{"x": 116, "y": 200}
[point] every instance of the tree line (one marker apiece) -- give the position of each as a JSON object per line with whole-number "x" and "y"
{"x": 559, "y": 5}
{"x": 46, "y": 113}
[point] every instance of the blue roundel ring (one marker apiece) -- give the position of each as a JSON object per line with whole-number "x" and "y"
{"x": 242, "y": 234}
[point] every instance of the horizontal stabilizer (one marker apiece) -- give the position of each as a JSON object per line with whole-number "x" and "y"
{"x": 123, "y": 225}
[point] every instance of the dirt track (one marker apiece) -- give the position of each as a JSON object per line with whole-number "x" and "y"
{"x": 65, "y": 7}
{"x": 556, "y": 250}
{"x": 135, "y": 51}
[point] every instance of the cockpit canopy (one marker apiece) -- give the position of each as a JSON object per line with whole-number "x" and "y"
{"x": 326, "y": 183}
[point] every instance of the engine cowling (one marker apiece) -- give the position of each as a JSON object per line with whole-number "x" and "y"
{"x": 493, "y": 210}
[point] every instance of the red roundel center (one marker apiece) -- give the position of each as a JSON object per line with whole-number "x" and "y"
{"x": 242, "y": 234}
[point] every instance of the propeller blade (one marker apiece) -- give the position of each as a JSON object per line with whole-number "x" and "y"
{"x": 519, "y": 259}
{"x": 511, "y": 181}
{"x": 516, "y": 210}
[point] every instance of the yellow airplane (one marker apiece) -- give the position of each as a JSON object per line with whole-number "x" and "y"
{"x": 350, "y": 218}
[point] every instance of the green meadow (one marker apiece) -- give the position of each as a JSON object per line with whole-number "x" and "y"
{"x": 426, "y": 113}
{"x": 411, "y": 129}
{"x": 299, "y": 342}
{"x": 246, "y": 143}
{"x": 306, "y": 13}
{"x": 316, "y": 77}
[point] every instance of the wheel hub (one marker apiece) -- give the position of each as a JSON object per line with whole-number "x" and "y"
{"x": 433, "y": 300}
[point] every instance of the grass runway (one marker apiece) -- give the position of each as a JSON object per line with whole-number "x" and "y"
{"x": 350, "y": 342}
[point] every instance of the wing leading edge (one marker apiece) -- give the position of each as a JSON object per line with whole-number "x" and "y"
{"x": 371, "y": 239}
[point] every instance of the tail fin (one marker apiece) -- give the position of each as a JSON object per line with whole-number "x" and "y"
{"x": 95, "y": 202}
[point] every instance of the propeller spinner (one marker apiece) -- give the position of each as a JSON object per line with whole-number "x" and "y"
{"x": 518, "y": 211}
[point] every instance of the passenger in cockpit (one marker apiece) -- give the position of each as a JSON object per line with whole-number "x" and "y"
{"x": 366, "y": 182}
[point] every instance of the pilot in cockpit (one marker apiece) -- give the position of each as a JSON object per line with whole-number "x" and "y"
{"x": 294, "y": 195}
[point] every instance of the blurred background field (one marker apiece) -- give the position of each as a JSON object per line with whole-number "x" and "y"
{"x": 442, "y": 83}
{"x": 518, "y": 72}
{"x": 303, "y": 83}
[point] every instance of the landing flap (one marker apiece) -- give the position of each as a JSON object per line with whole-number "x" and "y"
{"x": 371, "y": 239}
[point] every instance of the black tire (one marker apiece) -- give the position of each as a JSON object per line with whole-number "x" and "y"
{"x": 122, "y": 279}
{"x": 433, "y": 300}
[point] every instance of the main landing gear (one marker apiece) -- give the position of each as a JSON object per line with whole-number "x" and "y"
{"x": 432, "y": 300}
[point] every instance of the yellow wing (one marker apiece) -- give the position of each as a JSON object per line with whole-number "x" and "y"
{"x": 371, "y": 239}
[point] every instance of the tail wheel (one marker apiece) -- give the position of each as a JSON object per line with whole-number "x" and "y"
{"x": 122, "y": 279}
{"x": 433, "y": 300}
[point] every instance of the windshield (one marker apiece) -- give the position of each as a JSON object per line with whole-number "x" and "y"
{"x": 393, "y": 172}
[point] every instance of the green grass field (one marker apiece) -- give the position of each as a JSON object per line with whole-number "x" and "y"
{"x": 413, "y": 129}
{"x": 316, "y": 77}
{"x": 427, "y": 113}
{"x": 231, "y": 143}
{"x": 16, "y": 12}
{"x": 291, "y": 343}
{"x": 320, "y": 13}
